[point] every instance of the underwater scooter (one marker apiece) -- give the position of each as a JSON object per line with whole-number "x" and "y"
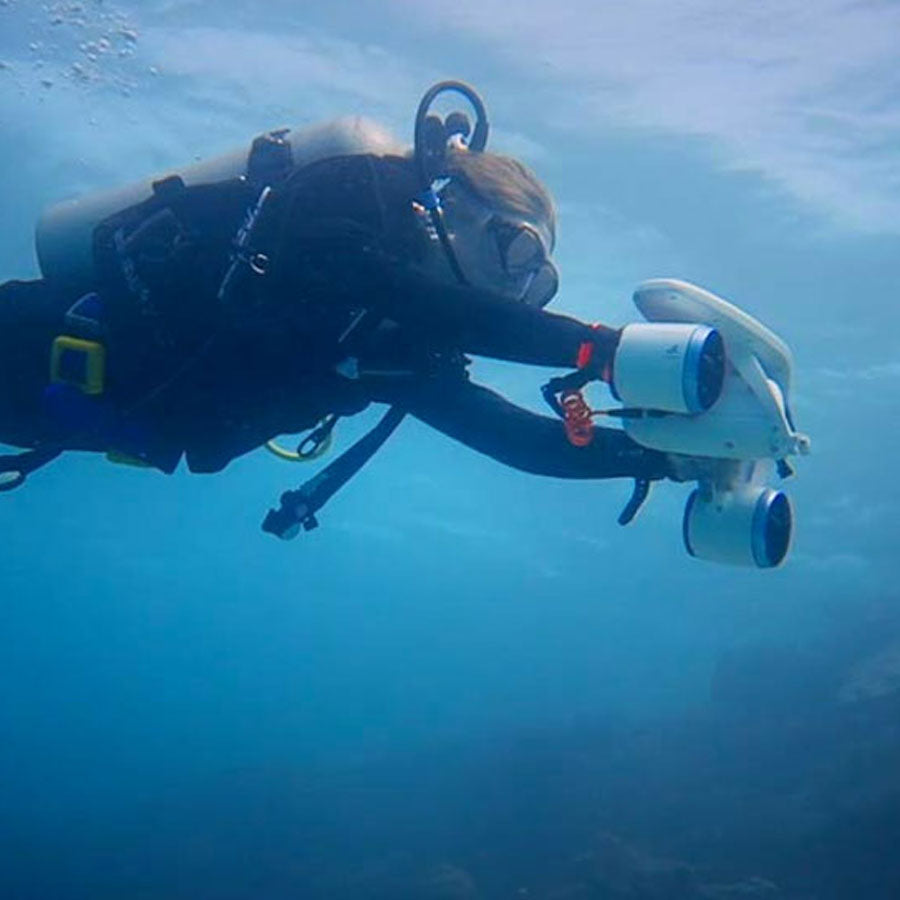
{"x": 732, "y": 424}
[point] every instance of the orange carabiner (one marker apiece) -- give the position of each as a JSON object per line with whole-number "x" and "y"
{"x": 577, "y": 419}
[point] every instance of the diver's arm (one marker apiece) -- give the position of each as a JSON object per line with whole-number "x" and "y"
{"x": 482, "y": 324}
{"x": 343, "y": 231}
{"x": 486, "y": 422}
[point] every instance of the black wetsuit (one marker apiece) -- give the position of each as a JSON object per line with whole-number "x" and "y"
{"x": 339, "y": 319}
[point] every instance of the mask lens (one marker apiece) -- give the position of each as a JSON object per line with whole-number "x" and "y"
{"x": 520, "y": 246}
{"x": 543, "y": 287}
{"x": 523, "y": 251}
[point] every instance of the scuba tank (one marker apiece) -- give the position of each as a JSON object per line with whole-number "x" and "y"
{"x": 64, "y": 233}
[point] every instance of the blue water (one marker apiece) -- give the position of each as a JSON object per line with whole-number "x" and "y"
{"x": 471, "y": 682}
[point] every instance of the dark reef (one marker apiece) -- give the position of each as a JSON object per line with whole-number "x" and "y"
{"x": 786, "y": 786}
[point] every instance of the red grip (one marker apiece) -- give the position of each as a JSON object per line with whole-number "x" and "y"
{"x": 588, "y": 349}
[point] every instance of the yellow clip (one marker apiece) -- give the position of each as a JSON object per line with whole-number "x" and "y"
{"x": 300, "y": 455}
{"x": 79, "y": 363}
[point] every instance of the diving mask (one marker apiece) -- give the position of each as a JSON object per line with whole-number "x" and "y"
{"x": 524, "y": 255}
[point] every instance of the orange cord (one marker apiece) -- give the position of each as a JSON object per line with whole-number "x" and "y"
{"x": 577, "y": 418}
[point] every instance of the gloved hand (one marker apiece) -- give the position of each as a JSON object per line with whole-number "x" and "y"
{"x": 597, "y": 353}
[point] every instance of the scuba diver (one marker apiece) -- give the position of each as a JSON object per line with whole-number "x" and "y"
{"x": 329, "y": 270}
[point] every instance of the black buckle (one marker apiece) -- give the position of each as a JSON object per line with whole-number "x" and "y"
{"x": 80, "y": 363}
{"x": 292, "y": 515}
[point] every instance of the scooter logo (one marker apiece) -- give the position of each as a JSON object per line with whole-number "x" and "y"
{"x": 672, "y": 351}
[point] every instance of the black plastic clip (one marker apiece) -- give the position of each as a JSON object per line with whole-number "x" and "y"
{"x": 315, "y": 443}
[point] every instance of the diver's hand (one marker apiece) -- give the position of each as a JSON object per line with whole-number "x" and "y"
{"x": 596, "y": 354}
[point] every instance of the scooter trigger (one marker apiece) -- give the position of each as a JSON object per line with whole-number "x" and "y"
{"x": 785, "y": 469}
{"x": 638, "y": 498}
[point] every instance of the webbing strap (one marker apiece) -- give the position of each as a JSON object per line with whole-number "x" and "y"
{"x": 298, "y": 508}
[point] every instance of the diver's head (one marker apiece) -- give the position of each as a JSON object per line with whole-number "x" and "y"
{"x": 501, "y": 223}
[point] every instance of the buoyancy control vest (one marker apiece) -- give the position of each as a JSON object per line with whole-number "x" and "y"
{"x": 193, "y": 214}
{"x": 162, "y": 252}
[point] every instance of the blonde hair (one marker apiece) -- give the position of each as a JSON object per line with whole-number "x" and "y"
{"x": 504, "y": 183}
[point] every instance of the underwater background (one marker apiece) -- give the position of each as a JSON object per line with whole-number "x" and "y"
{"x": 470, "y": 682}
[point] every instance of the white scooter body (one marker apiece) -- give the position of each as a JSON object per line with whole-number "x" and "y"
{"x": 733, "y": 516}
{"x": 751, "y": 419}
